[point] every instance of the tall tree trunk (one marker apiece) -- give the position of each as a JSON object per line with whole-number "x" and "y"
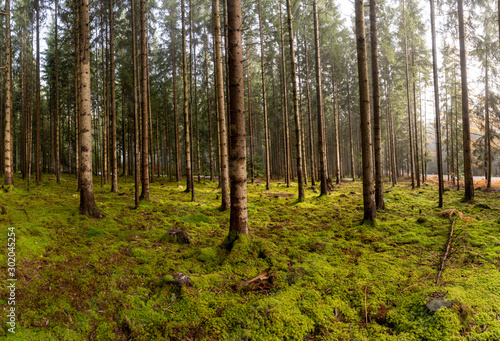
{"x": 187, "y": 125}
{"x": 209, "y": 115}
{"x": 237, "y": 167}
{"x": 144, "y": 105}
{"x": 38, "y": 110}
{"x": 288, "y": 167}
{"x": 487, "y": 138}
{"x": 336, "y": 139}
{"x": 309, "y": 114}
{"x": 8, "y": 145}
{"x": 351, "y": 145}
{"x": 370, "y": 210}
{"x": 468, "y": 179}
{"x": 415, "y": 126}
{"x": 114, "y": 162}
{"x": 176, "y": 116}
{"x": 436, "y": 104}
{"x": 298, "y": 123}
{"x": 264, "y": 100}
{"x": 319, "y": 104}
{"x": 377, "y": 138}
{"x": 137, "y": 168}
{"x": 223, "y": 150}
{"x": 57, "y": 146}
{"x": 87, "y": 202}
{"x": 250, "y": 131}
{"x": 408, "y": 97}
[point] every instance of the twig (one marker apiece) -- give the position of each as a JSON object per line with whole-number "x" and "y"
{"x": 445, "y": 256}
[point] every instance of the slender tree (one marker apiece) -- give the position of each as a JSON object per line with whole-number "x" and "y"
{"x": 137, "y": 168}
{"x": 187, "y": 124}
{"x": 144, "y": 105}
{"x": 468, "y": 179}
{"x": 114, "y": 162}
{"x": 298, "y": 123}
{"x": 370, "y": 212}
{"x": 377, "y": 131}
{"x": 56, "y": 123}
{"x": 264, "y": 100}
{"x": 319, "y": 105}
{"x": 436, "y": 104}
{"x": 38, "y": 109}
{"x": 87, "y": 202}
{"x": 8, "y": 155}
{"x": 219, "y": 84}
{"x": 237, "y": 167}
{"x": 176, "y": 116}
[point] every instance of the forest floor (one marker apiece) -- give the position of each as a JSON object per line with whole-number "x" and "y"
{"x": 323, "y": 274}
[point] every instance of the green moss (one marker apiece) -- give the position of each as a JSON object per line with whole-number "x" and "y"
{"x": 111, "y": 275}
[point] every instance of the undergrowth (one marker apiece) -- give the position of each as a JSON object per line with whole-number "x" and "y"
{"x": 331, "y": 277}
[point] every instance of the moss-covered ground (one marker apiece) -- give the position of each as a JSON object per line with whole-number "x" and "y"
{"x": 330, "y": 276}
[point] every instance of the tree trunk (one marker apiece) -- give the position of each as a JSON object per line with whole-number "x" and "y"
{"x": 38, "y": 110}
{"x": 436, "y": 104}
{"x": 298, "y": 123}
{"x": 415, "y": 126}
{"x": 114, "y": 162}
{"x": 287, "y": 155}
{"x": 187, "y": 125}
{"x": 370, "y": 212}
{"x": 8, "y": 145}
{"x": 144, "y": 105}
{"x": 237, "y": 168}
{"x": 87, "y": 202}
{"x": 336, "y": 139}
{"x": 176, "y": 116}
{"x": 209, "y": 115}
{"x": 250, "y": 131}
{"x": 137, "y": 167}
{"x": 57, "y": 142}
{"x": 223, "y": 150}
{"x": 264, "y": 101}
{"x": 377, "y": 138}
{"x": 309, "y": 114}
{"x": 408, "y": 97}
{"x": 487, "y": 139}
{"x": 351, "y": 145}
{"x": 468, "y": 179}
{"x": 319, "y": 104}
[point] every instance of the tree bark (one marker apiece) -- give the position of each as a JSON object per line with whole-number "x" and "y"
{"x": 377, "y": 132}
{"x": 187, "y": 125}
{"x": 87, "y": 202}
{"x": 487, "y": 137}
{"x": 57, "y": 141}
{"x": 436, "y": 104}
{"x": 287, "y": 155}
{"x": 237, "y": 167}
{"x": 38, "y": 110}
{"x": 176, "y": 116}
{"x": 144, "y": 105}
{"x": 298, "y": 123}
{"x": 114, "y": 162}
{"x": 370, "y": 212}
{"x": 319, "y": 104}
{"x": 223, "y": 150}
{"x": 8, "y": 145}
{"x": 468, "y": 179}
{"x": 250, "y": 130}
{"x": 351, "y": 145}
{"x": 309, "y": 114}
{"x": 137, "y": 169}
{"x": 264, "y": 101}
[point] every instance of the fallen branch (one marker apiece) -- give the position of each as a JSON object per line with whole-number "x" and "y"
{"x": 447, "y": 251}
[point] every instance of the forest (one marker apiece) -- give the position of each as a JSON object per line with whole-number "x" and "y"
{"x": 250, "y": 170}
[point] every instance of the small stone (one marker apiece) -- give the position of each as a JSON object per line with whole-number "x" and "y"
{"x": 437, "y": 303}
{"x": 179, "y": 236}
{"x": 181, "y": 279}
